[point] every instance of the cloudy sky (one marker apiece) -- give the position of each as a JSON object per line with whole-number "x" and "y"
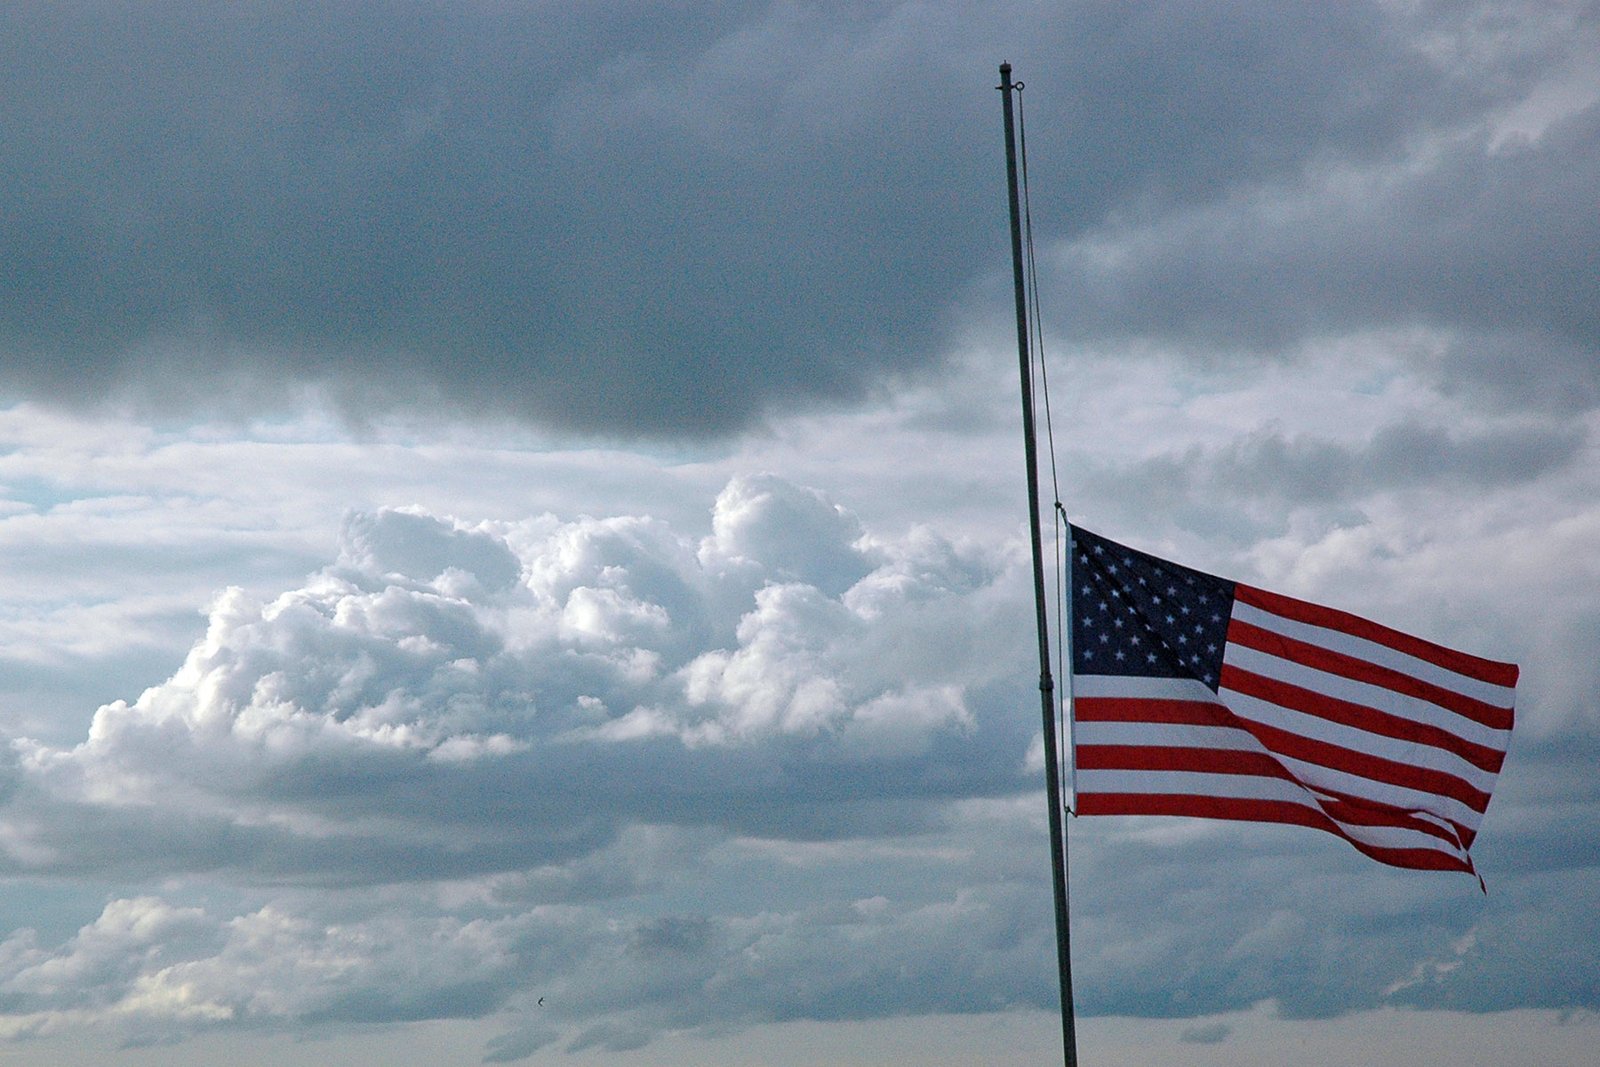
{"x": 514, "y": 538}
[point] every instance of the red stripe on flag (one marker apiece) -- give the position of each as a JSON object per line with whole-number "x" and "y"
{"x": 1278, "y": 811}
{"x": 1357, "y": 811}
{"x": 1200, "y": 807}
{"x": 1339, "y": 808}
{"x": 1339, "y": 805}
{"x": 1150, "y": 709}
{"x": 1178, "y": 758}
{"x": 1365, "y": 765}
{"x": 1484, "y": 670}
{"x": 1359, "y": 716}
{"x": 1360, "y": 670}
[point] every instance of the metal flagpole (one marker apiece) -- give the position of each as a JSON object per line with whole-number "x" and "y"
{"x": 1052, "y": 772}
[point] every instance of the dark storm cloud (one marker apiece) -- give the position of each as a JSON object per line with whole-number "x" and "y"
{"x": 657, "y": 220}
{"x": 1492, "y": 245}
{"x": 640, "y": 217}
{"x": 1270, "y": 465}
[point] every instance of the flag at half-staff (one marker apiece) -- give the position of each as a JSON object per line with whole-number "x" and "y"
{"x": 1198, "y": 696}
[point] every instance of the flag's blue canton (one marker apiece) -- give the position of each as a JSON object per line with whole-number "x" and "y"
{"x": 1136, "y": 614}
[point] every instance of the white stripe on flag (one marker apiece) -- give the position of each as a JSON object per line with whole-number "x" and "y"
{"x": 1327, "y": 779}
{"x": 1354, "y": 739}
{"x": 1312, "y": 776}
{"x": 1373, "y": 652}
{"x": 1167, "y": 735}
{"x": 1381, "y": 698}
{"x": 1118, "y": 685}
{"x": 1248, "y": 787}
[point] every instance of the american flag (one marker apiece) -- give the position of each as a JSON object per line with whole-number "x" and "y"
{"x": 1194, "y": 695}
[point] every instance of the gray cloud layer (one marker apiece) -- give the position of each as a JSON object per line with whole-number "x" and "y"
{"x": 632, "y": 220}
{"x": 636, "y": 220}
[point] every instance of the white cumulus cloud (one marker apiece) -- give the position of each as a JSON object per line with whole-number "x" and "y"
{"x": 579, "y": 672}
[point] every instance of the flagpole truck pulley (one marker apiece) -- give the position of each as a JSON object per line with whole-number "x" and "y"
{"x": 1058, "y": 841}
